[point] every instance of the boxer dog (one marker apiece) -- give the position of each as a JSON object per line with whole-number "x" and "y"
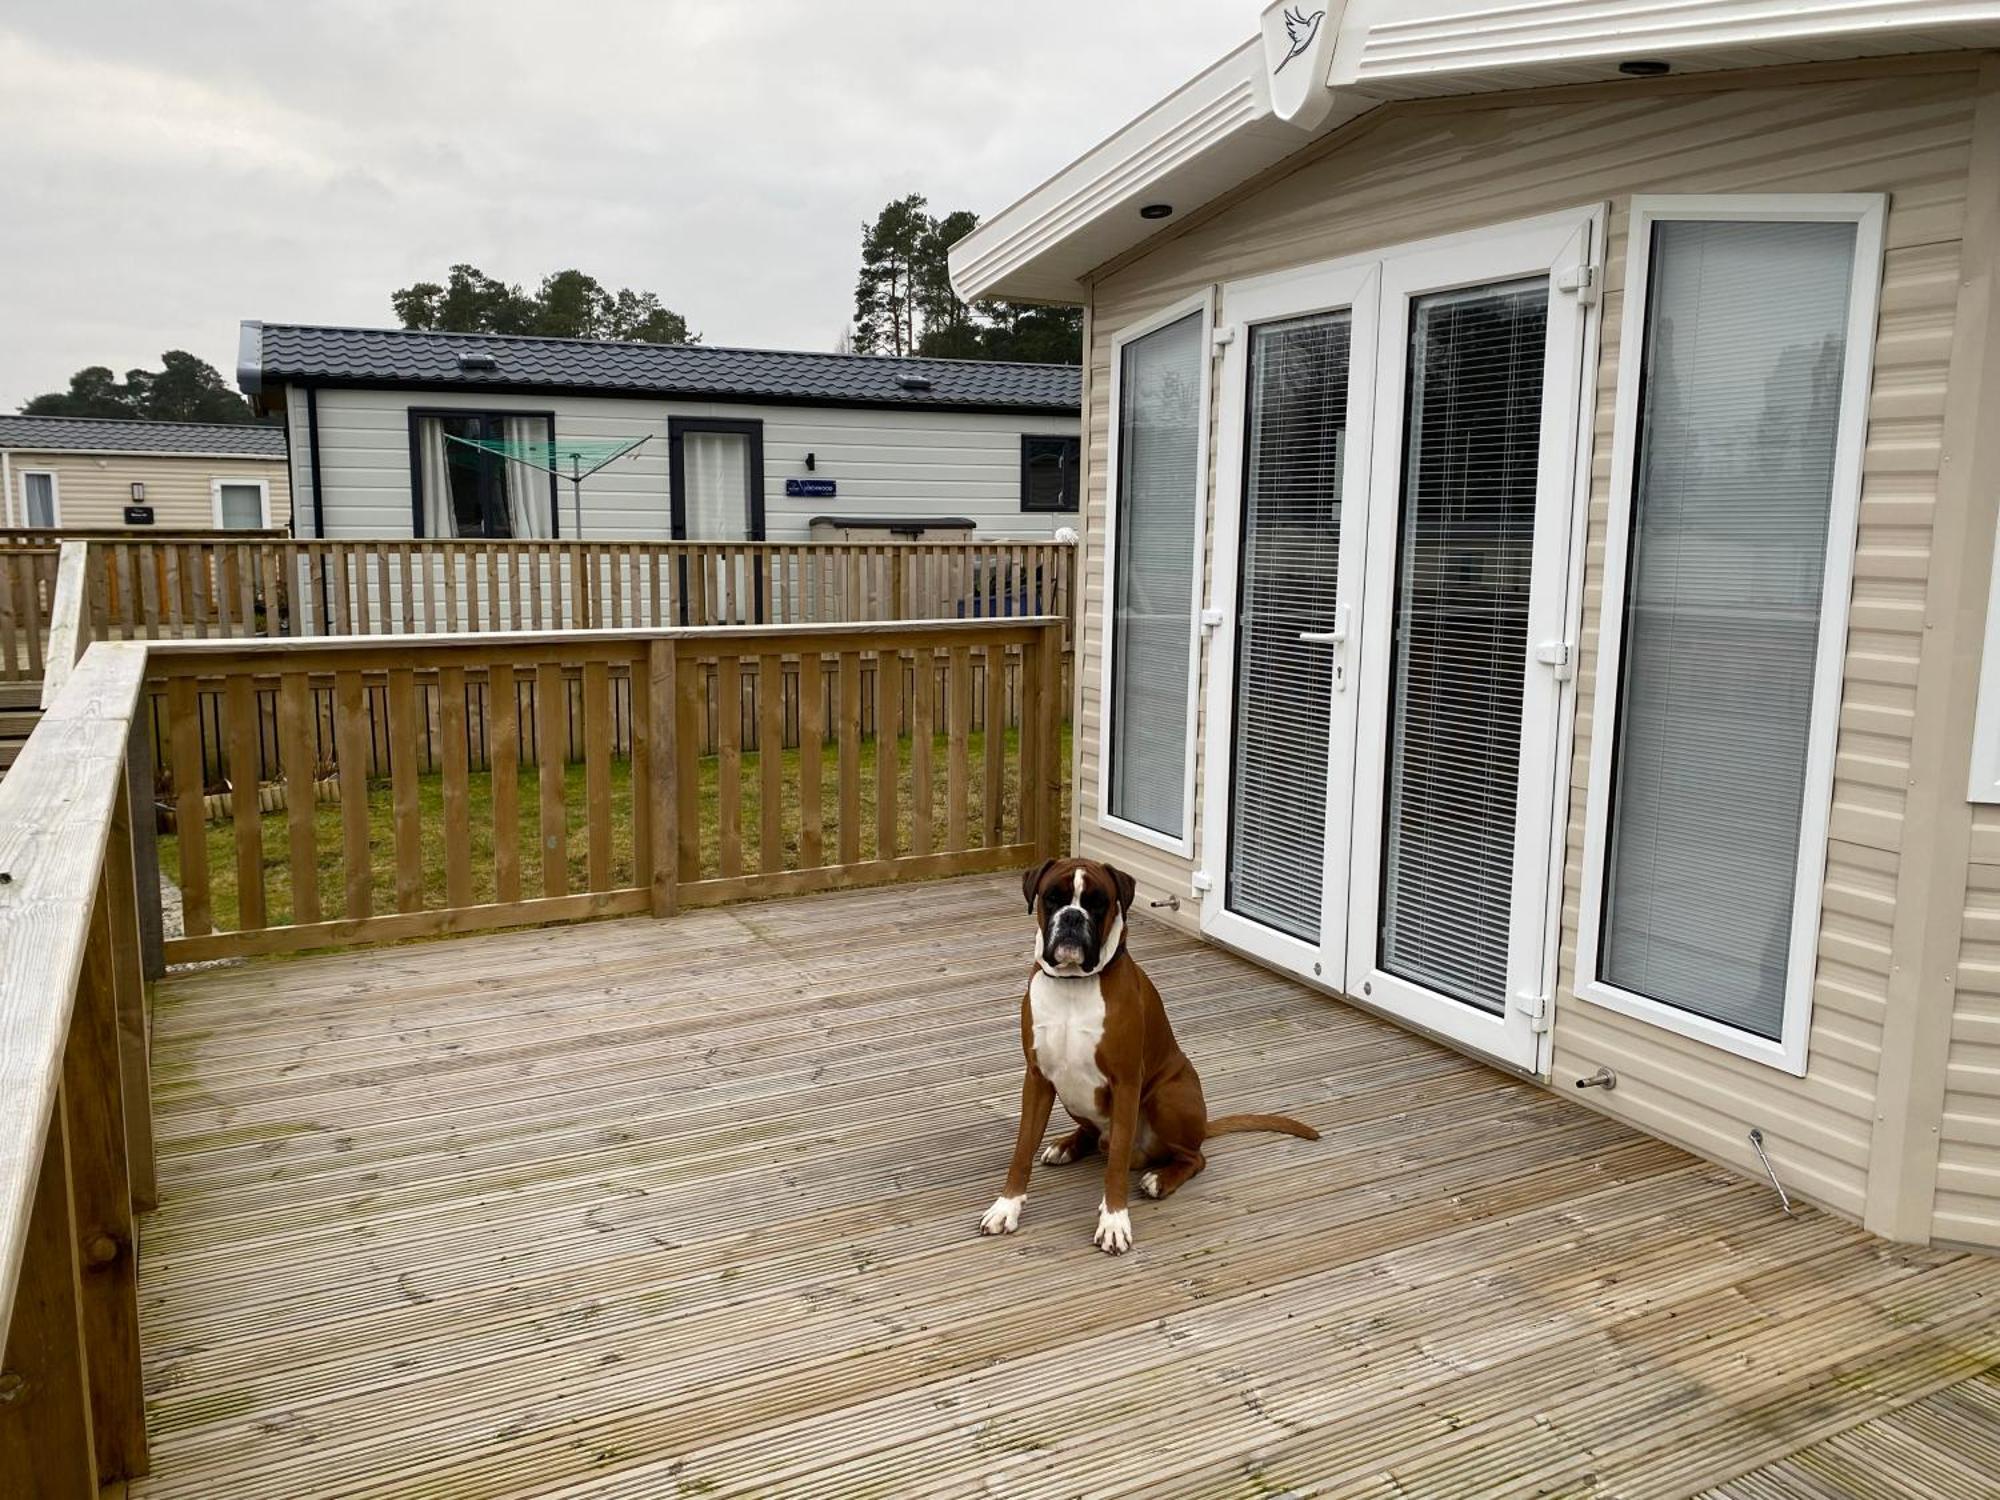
{"x": 1096, "y": 1036}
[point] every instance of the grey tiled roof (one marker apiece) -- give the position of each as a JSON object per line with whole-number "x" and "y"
{"x": 277, "y": 352}
{"x": 111, "y": 435}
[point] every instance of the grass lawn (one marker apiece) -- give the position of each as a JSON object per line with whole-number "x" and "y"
{"x": 221, "y": 836}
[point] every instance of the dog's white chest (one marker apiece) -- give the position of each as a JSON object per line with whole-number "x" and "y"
{"x": 1067, "y": 1017}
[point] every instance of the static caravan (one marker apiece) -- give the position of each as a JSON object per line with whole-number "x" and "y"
{"x": 408, "y": 434}
{"x": 96, "y": 474}
{"x": 1542, "y": 473}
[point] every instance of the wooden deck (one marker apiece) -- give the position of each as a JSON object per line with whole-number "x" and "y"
{"x": 687, "y": 1208}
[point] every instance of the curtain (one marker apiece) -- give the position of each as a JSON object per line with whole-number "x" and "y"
{"x": 716, "y": 486}
{"x": 436, "y": 467}
{"x": 41, "y": 492}
{"x": 526, "y": 487}
{"x": 1154, "y": 587}
{"x": 1745, "y": 347}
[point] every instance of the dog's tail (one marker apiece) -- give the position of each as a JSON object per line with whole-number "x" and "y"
{"x": 1281, "y": 1124}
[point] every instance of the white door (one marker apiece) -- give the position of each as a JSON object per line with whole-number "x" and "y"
{"x": 1396, "y": 461}
{"x": 1291, "y": 459}
{"x": 1463, "y": 652}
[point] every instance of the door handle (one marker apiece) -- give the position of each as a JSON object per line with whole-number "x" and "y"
{"x": 1334, "y": 637}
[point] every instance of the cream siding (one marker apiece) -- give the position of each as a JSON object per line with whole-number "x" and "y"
{"x": 1416, "y": 171}
{"x": 884, "y": 460}
{"x": 1967, "y": 1203}
{"x": 94, "y": 488}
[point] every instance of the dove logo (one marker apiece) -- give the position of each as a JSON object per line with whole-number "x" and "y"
{"x": 1298, "y": 45}
{"x": 1300, "y": 29}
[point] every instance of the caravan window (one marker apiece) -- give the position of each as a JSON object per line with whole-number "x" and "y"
{"x": 1160, "y": 396}
{"x": 1725, "y": 618}
{"x": 462, "y": 489}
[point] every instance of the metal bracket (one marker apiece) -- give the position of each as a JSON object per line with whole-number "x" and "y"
{"x": 1581, "y": 283}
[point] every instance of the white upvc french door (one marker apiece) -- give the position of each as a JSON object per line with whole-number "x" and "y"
{"x": 1399, "y": 447}
{"x": 1465, "y": 649}
{"x": 1296, "y": 396}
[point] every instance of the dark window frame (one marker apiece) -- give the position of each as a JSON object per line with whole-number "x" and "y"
{"x": 677, "y": 429}
{"x": 1072, "y": 499}
{"x": 488, "y": 416}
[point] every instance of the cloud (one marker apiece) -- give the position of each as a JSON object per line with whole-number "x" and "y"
{"x": 178, "y": 168}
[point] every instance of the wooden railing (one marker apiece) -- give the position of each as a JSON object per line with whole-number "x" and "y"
{"x": 372, "y": 791}
{"x": 76, "y": 1153}
{"x": 27, "y": 601}
{"x": 193, "y": 589}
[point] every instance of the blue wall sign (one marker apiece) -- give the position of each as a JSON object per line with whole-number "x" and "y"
{"x": 809, "y": 489}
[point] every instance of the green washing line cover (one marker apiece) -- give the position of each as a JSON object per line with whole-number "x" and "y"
{"x": 569, "y": 458}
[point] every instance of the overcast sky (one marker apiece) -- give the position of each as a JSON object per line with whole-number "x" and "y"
{"x": 173, "y": 169}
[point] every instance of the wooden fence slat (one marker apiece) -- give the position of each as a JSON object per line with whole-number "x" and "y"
{"x": 129, "y": 982}
{"x": 996, "y": 742}
{"x": 771, "y": 762}
{"x": 455, "y": 757}
{"x": 503, "y": 753}
{"x": 190, "y": 812}
{"x": 45, "y": 1429}
{"x": 403, "y": 773}
{"x": 729, "y": 762}
{"x": 101, "y": 1200}
{"x": 686, "y": 742}
{"x": 850, "y": 757}
{"x": 812, "y": 743}
{"x": 888, "y": 723}
{"x": 958, "y": 755}
{"x": 550, "y": 698}
{"x": 299, "y": 763}
{"x": 923, "y": 687}
{"x": 654, "y": 768}
{"x": 244, "y": 812}
{"x": 351, "y": 751}
{"x": 597, "y": 770}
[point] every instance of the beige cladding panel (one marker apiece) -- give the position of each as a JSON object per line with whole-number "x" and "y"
{"x": 95, "y": 488}
{"x": 1413, "y": 172}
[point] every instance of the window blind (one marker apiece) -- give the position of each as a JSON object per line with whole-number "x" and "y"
{"x": 1154, "y": 585}
{"x": 718, "y": 485}
{"x": 1465, "y": 544}
{"x": 1744, "y": 350}
{"x": 1295, "y": 441}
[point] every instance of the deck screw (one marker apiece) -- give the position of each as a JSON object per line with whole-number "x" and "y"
{"x": 6, "y": 877}
{"x": 101, "y": 1251}
{"x": 12, "y": 1387}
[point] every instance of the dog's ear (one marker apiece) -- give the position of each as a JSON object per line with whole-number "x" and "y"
{"x": 1128, "y": 888}
{"x": 1031, "y": 881}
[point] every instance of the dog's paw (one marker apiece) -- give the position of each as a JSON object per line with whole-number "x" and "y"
{"x": 1004, "y": 1217}
{"x": 1114, "y": 1231}
{"x": 1149, "y": 1184}
{"x": 1055, "y": 1154}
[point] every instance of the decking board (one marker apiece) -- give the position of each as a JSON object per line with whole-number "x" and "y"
{"x": 642, "y": 1208}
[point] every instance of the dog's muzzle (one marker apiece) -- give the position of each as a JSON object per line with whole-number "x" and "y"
{"x": 1071, "y": 939}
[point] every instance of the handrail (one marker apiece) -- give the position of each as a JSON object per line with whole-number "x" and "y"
{"x": 67, "y": 949}
{"x": 168, "y": 588}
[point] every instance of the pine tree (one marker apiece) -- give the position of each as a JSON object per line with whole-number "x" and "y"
{"x": 886, "y": 295}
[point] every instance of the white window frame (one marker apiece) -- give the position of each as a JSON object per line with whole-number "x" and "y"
{"x": 1983, "y": 784}
{"x": 55, "y": 496}
{"x": 1201, "y": 303}
{"x": 1867, "y": 212}
{"x": 264, "y": 492}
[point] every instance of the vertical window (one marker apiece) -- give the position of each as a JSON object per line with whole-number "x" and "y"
{"x": 480, "y": 474}
{"x": 1156, "y": 523}
{"x": 38, "y": 490}
{"x": 718, "y": 479}
{"x": 1464, "y": 568}
{"x": 1049, "y": 473}
{"x": 1295, "y": 451}
{"x": 1725, "y": 628}
{"x": 239, "y": 505}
